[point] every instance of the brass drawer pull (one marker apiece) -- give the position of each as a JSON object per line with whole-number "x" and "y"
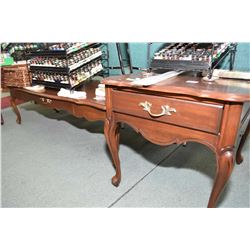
{"x": 165, "y": 109}
{"x": 46, "y": 100}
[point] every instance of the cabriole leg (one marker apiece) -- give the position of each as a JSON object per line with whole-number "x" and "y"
{"x": 14, "y": 106}
{"x": 224, "y": 170}
{"x": 112, "y": 133}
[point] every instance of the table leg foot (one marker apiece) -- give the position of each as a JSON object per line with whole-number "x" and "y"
{"x": 224, "y": 170}
{"x": 116, "y": 179}
{"x": 14, "y": 106}
{"x": 111, "y": 131}
{"x": 239, "y": 157}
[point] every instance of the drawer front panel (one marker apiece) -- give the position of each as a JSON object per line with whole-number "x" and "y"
{"x": 52, "y": 103}
{"x": 49, "y": 102}
{"x": 86, "y": 111}
{"x": 201, "y": 116}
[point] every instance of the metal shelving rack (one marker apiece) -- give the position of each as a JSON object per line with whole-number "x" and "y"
{"x": 20, "y": 54}
{"x": 198, "y": 66}
{"x": 68, "y": 70}
{"x": 123, "y": 58}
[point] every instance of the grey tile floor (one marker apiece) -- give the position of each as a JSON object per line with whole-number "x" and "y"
{"x": 57, "y": 160}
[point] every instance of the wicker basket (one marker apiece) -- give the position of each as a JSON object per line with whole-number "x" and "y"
{"x": 15, "y": 75}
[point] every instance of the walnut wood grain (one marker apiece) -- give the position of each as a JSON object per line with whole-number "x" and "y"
{"x": 207, "y": 116}
{"x": 112, "y": 135}
{"x": 14, "y": 106}
{"x": 208, "y": 113}
{"x": 111, "y": 130}
{"x": 221, "y": 89}
{"x": 88, "y": 108}
{"x": 89, "y": 87}
{"x": 166, "y": 134}
{"x": 223, "y": 172}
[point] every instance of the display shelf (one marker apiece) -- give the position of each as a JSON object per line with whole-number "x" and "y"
{"x": 51, "y": 84}
{"x": 61, "y": 52}
{"x": 4, "y": 46}
{"x": 49, "y": 69}
{"x": 86, "y": 60}
{"x": 68, "y": 83}
{"x": 184, "y": 58}
{"x": 68, "y": 67}
{"x": 79, "y": 47}
{"x": 19, "y": 50}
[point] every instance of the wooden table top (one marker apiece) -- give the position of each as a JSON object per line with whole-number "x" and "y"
{"x": 89, "y": 87}
{"x": 221, "y": 89}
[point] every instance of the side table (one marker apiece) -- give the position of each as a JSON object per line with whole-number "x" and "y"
{"x": 183, "y": 108}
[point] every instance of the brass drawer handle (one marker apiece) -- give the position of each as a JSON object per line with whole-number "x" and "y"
{"x": 46, "y": 100}
{"x": 165, "y": 109}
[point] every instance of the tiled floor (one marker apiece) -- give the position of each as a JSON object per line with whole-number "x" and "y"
{"x": 57, "y": 160}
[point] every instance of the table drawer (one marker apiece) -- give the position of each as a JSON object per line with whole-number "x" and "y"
{"x": 53, "y": 103}
{"x": 191, "y": 114}
{"x": 39, "y": 99}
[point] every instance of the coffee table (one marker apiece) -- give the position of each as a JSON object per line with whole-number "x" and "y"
{"x": 88, "y": 108}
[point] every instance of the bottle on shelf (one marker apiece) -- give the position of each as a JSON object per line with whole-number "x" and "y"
{"x": 72, "y": 68}
{"x": 73, "y": 59}
{"x": 191, "y": 51}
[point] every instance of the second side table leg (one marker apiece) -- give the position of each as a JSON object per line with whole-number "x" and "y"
{"x": 239, "y": 157}
{"x": 14, "y": 106}
{"x": 112, "y": 134}
{"x": 224, "y": 170}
